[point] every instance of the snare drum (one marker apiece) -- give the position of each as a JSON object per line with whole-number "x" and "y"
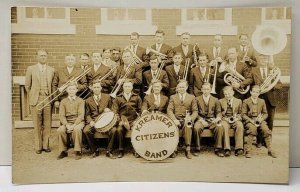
{"x": 105, "y": 122}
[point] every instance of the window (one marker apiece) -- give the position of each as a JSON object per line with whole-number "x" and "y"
{"x": 280, "y": 16}
{"x": 125, "y": 21}
{"x": 206, "y": 21}
{"x": 41, "y": 20}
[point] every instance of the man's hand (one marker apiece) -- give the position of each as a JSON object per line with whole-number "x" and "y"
{"x": 107, "y": 110}
{"x": 70, "y": 128}
{"x": 92, "y": 123}
{"x": 236, "y": 85}
{"x": 177, "y": 122}
{"x": 56, "y": 104}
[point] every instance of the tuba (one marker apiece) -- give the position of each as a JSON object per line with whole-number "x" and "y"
{"x": 269, "y": 40}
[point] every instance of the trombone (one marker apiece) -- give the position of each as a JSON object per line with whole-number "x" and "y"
{"x": 118, "y": 85}
{"x": 163, "y": 56}
{"x": 148, "y": 92}
{"x": 57, "y": 92}
{"x": 135, "y": 57}
{"x": 186, "y": 68}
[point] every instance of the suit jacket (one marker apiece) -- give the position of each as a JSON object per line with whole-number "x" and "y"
{"x": 222, "y": 54}
{"x": 270, "y": 96}
{"x": 189, "y": 53}
{"x": 92, "y": 110}
{"x": 236, "y": 106}
{"x": 173, "y": 77}
{"x": 250, "y": 54}
{"x": 71, "y": 112}
{"x": 248, "y": 108}
{"x": 148, "y": 103}
{"x": 101, "y": 71}
{"x": 214, "y": 108}
{"x": 32, "y": 82}
{"x": 130, "y": 109}
{"x": 196, "y": 80}
{"x": 177, "y": 109}
{"x": 163, "y": 77}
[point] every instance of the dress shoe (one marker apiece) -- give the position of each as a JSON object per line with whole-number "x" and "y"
{"x": 173, "y": 155}
{"x": 78, "y": 155}
{"x": 38, "y": 151}
{"x": 219, "y": 153}
{"x": 239, "y": 152}
{"x": 196, "y": 153}
{"x": 95, "y": 154}
{"x": 272, "y": 154}
{"x": 121, "y": 154}
{"x": 248, "y": 155}
{"x": 227, "y": 153}
{"x": 47, "y": 150}
{"x": 135, "y": 154}
{"x": 63, "y": 154}
{"x": 188, "y": 154}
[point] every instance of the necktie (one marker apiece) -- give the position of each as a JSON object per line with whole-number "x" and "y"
{"x": 265, "y": 73}
{"x": 154, "y": 75}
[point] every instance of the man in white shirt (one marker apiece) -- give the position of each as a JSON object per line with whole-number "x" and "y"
{"x": 246, "y": 52}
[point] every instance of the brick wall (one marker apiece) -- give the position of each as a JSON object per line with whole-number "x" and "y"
{"x": 86, "y": 40}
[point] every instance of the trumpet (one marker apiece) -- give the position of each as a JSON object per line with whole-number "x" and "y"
{"x": 257, "y": 120}
{"x": 163, "y": 56}
{"x": 59, "y": 91}
{"x": 187, "y": 120}
{"x": 118, "y": 85}
{"x": 148, "y": 92}
{"x": 135, "y": 57}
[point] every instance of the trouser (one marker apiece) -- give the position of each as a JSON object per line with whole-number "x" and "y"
{"x": 42, "y": 126}
{"x": 76, "y": 137}
{"x": 238, "y": 134}
{"x": 217, "y": 131}
{"x": 251, "y": 132}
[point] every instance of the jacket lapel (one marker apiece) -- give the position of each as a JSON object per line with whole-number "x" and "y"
{"x": 224, "y": 104}
{"x": 37, "y": 71}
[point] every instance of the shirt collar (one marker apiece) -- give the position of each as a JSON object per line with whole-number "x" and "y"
{"x": 72, "y": 98}
{"x": 206, "y": 97}
{"x": 41, "y": 66}
{"x": 254, "y": 101}
{"x": 95, "y": 96}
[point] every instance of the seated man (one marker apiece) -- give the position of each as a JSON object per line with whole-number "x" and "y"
{"x": 183, "y": 110}
{"x": 127, "y": 105}
{"x": 254, "y": 113}
{"x": 231, "y": 108}
{"x": 71, "y": 116}
{"x": 155, "y": 101}
{"x": 209, "y": 118}
{"x": 95, "y": 105}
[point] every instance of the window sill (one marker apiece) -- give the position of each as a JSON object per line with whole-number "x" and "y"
{"x": 43, "y": 28}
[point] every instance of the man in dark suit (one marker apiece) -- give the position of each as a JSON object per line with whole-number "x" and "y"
{"x": 84, "y": 61}
{"x": 246, "y": 53}
{"x": 183, "y": 110}
{"x": 116, "y": 55}
{"x": 154, "y": 73}
{"x": 199, "y": 75}
{"x": 217, "y": 51}
{"x": 209, "y": 117}
{"x": 128, "y": 106}
{"x": 254, "y": 114}
{"x": 231, "y": 109}
{"x": 161, "y": 47}
{"x": 38, "y": 86}
{"x": 175, "y": 73}
{"x": 237, "y": 67}
{"x": 66, "y": 73}
{"x": 155, "y": 101}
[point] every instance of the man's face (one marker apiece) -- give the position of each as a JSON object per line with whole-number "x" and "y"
{"x": 263, "y": 60}
{"x": 156, "y": 88}
{"x": 185, "y": 39}
{"x": 72, "y": 90}
{"x": 96, "y": 58}
{"x": 177, "y": 59}
{"x": 159, "y": 38}
{"x": 134, "y": 39}
{"x": 116, "y": 55}
{"x": 228, "y": 94}
{"x": 244, "y": 40}
{"x": 153, "y": 64}
{"x": 42, "y": 57}
{"x": 97, "y": 88}
{"x": 106, "y": 54}
{"x": 218, "y": 41}
{"x": 232, "y": 54}
{"x": 127, "y": 87}
{"x": 70, "y": 61}
{"x": 203, "y": 61}
{"x": 255, "y": 93}
{"x": 84, "y": 60}
{"x": 127, "y": 58}
{"x": 206, "y": 90}
{"x": 181, "y": 88}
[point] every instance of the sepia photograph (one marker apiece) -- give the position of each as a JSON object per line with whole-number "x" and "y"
{"x": 150, "y": 94}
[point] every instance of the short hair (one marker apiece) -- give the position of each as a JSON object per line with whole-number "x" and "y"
{"x": 185, "y": 33}
{"x": 206, "y": 83}
{"x": 177, "y": 53}
{"x": 85, "y": 54}
{"x": 227, "y": 88}
{"x": 203, "y": 54}
{"x": 233, "y": 48}
{"x": 70, "y": 55}
{"x": 153, "y": 57}
{"x": 255, "y": 87}
{"x": 106, "y": 48}
{"x": 72, "y": 83}
{"x": 128, "y": 81}
{"x": 41, "y": 50}
{"x": 160, "y": 31}
{"x": 135, "y": 34}
{"x": 96, "y": 52}
{"x": 126, "y": 51}
{"x": 116, "y": 49}
{"x": 155, "y": 81}
{"x": 183, "y": 81}
{"x": 243, "y": 34}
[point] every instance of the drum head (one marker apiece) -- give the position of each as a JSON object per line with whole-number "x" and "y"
{"x": 154, "y": 136}
{"x": 104, "y": 120}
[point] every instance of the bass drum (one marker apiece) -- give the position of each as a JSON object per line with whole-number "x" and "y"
{"x": 154, "y": 136}
{"x": 105, "y": 122}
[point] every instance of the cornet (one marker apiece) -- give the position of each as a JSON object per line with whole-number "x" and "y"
{"x": 148, "y": 92}
{"x": 187, "y": 120}
{"x": 257, "y": 120}
{"x": 163, "y": 56}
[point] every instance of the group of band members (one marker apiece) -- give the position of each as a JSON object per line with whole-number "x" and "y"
{"x": 184, "y": 94}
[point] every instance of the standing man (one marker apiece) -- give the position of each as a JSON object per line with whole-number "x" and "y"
{"x": 38, "y": 82}
{"x": 246, "y": 52}
{"x": 209, "y": 118}
{"x": 84, "y": 61}
{"x": 183, "y": 110}
{"x": 254, "y": 114}
{"x": 185, "y": 48}
{"x": 71, "y": 116}
{"x": 231, "y": 109}
{"x": 128, "y": 106}
{"x": 175, "y": 73}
